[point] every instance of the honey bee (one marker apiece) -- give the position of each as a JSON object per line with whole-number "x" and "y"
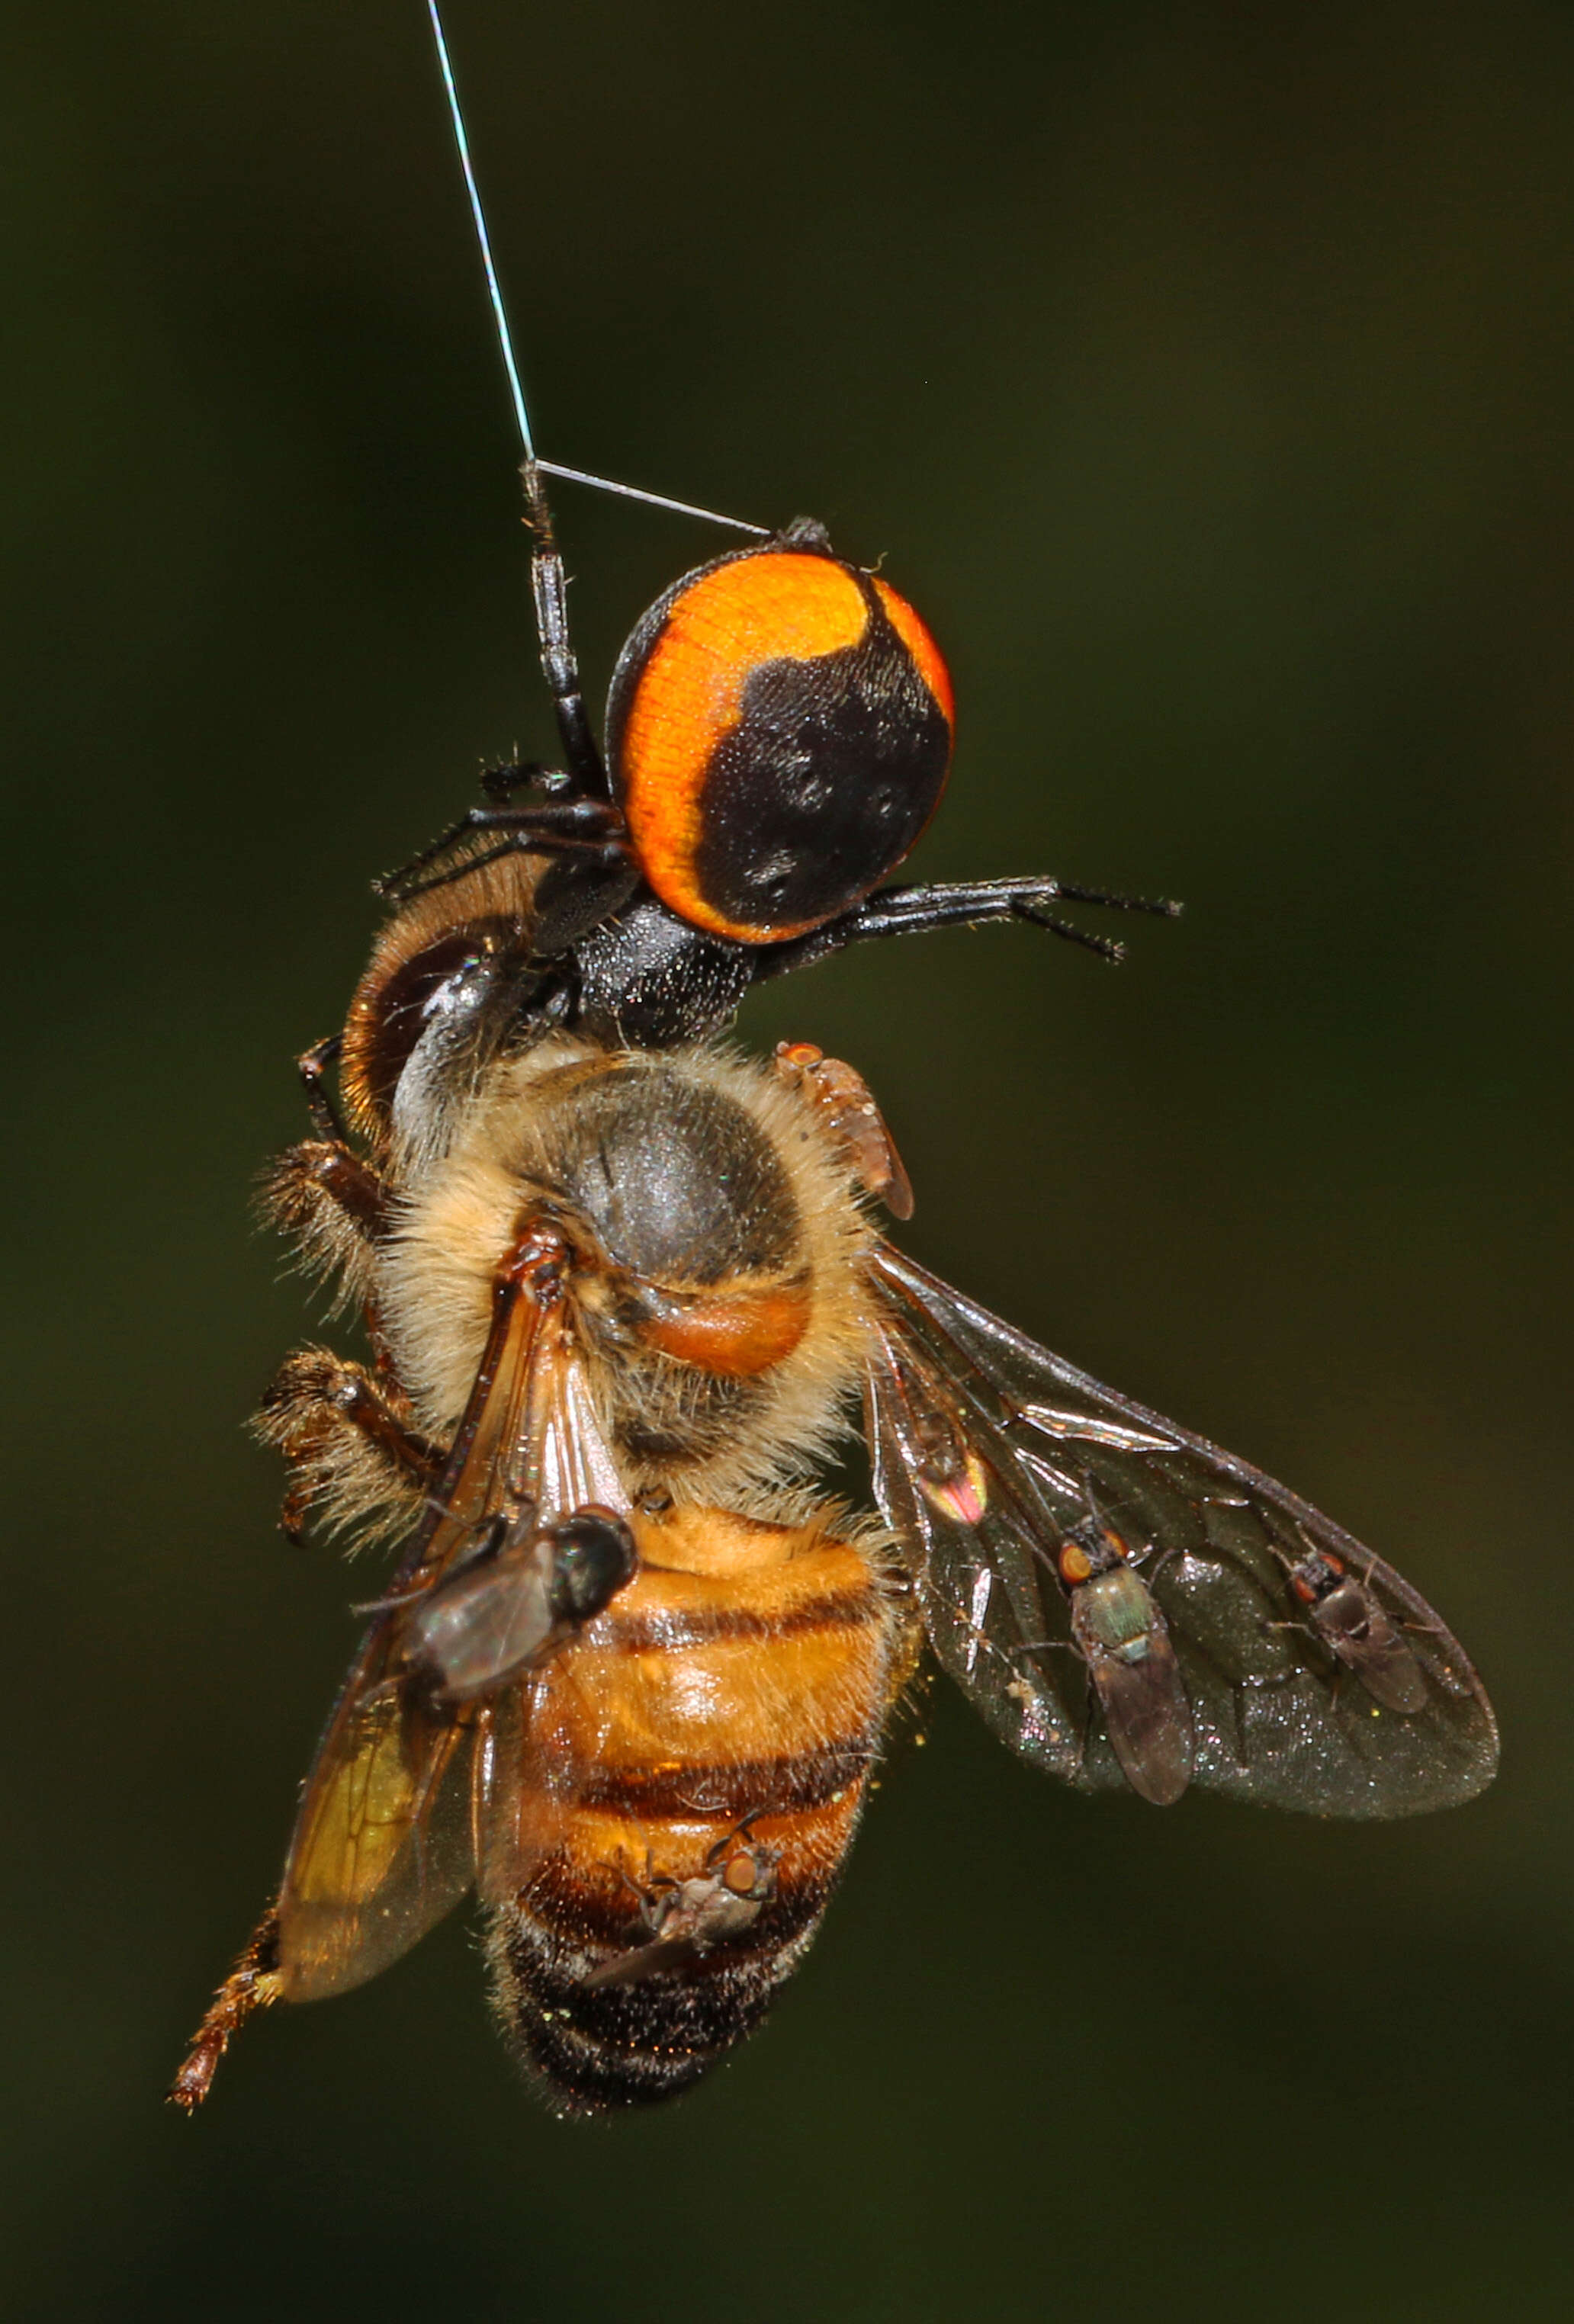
{"x": 622, "y": 1288}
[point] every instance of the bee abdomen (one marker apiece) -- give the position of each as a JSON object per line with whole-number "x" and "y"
{"x": 713, "y": 1731}
{"x": 612, "y": 2046}
{"x": 729, "y": 1791}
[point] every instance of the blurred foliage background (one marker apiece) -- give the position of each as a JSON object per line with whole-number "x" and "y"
{"x": 1206, "y": 373}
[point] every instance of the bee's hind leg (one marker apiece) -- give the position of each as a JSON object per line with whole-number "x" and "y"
{"x": 253, "y": 1983}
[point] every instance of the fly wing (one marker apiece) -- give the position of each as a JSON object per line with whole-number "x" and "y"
{"x": 1146, "y": 1714}
{"x": 1354, "y": 1626}
{"x": 1041, "y": 1447}
{"x": 383, "y": 1846}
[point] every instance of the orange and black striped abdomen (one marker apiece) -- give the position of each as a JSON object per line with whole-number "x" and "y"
{"x": 738, "y": 1685}
{"x": 779, "y": 732}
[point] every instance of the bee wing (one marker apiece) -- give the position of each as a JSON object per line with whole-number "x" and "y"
{"x": 383, "y": 1846}
{"x": 381, "y": 1849}
{"x": 1044, "y": 1447}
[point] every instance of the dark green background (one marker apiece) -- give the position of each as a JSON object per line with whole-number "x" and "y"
{"x": 1207, "y": 376}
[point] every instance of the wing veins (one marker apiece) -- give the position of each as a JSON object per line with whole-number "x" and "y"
{"x": 1270, "y": 1721}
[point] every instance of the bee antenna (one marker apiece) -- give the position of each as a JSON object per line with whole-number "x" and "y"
{"x": 505, "y": 337}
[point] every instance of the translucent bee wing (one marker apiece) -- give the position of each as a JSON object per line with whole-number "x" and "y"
{"x": 381, "y": 1849}
{"x": 514, "y": 1790}
{"x": 1277, "y": 1715}
{"x": 974, "y": 1546}
{"x": 571, "y": 1464}
{"x": 383, "y": 1846}
{"x": 541, "y": 1572}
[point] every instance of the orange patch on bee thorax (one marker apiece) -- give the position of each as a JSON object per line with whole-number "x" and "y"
{"x": 735, "y": 1334}
{"x": 920, "y": 645}
{"x": 779, "y": 606}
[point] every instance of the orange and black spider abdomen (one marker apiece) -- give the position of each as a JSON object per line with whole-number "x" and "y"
{"x": 779, "y": 733}
{"x": 697, "y": 1761}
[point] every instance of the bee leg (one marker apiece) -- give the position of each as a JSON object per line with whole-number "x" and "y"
{"x": 852, "y": 1121}
{"x": 321, "y": 1194}
{"x": 311, "y": 1064}
{"x": 324, "y": 1197}
{"x": 253, "y": 1983}
{"x": 351, "y": 1454}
